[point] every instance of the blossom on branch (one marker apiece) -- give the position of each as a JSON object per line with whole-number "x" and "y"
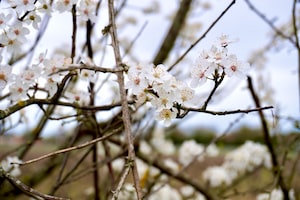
{"x": 4, "y": 19}
{"x": 86, "y": 10}
{"x": 22, "y": 6}
{"x": 234, "y": 67}
{"x": 64, "y": 5}
{"x": 238, "y": 162}
{"x": 9, "y": 165}
{"x": 44, "y": 6}
{"x": 34, "y": 19}
{"x": 5, "y": 75}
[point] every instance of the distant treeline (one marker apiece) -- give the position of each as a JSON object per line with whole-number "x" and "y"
{"x": 237, "y": 137}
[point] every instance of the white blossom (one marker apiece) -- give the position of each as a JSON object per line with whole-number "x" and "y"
{"x": 45, "y": 7}
{"x": 22, "y": 5}
{"x": 171, "y": 165}
{"x": 165, "y": 192}
{"x": 79, "y": 97}
{"x": 86, "y": 10}
{"x": 234, "y": 67}
{"x": 33, "y": 18}
{"x": 4, "y": 19}
{"x": 275, "y": 194}
{"x": 224, "y": 41}
{"x": 10, "y": 164}
{"x": 5, "y": 75}
{"x": 64, "y": 5}
{"x": 18, "y": 91}
{"x": 216, "y": 176}
{"x": 190, "y": 150}
{"x": 18, "y": 32}
{"x": 201, "y": 71}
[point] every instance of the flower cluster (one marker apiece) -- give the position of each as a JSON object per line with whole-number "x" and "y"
{"x": 32, "y": 80}
{"x": 9, "y": 165}
{"x": 17, "y": 20}
{"x": 156, "y": 85}
{"x": 216, "y": 61}
{"x": 190, "y": 150}
{"x": 237, "y": 163}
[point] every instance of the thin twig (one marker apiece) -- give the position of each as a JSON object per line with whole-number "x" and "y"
{"x": 128, "y": 49}
{"x": 230, "y": 112}
{"x": 125, "y": 110}
{"x": 295, "y": 28}
{"x": 269, "y": 22}
{"x": 173, "y": 32}
{"x": 25, "y": 103}
{"x": 94, "y": 68}
{"x": 26, "y": 189}
{"x": 117, "y": 130}
{"x": 121, "y": 182}
{"x": 74, "y": 33}
{"x": 277, "y": 170}
{"x": 202, "y": 36}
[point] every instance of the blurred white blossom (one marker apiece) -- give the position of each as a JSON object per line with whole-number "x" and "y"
{"x": 216, "y": 176}
{"x": 165, "y": 192}
{"x": 238, "y": 162}
{"x": 275, "y": 194}
{"x": 10, "y": 165}
{"x": 190, "y": 150}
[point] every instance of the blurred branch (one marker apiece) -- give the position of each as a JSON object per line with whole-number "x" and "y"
{"x": 277, "y": 169}
{"x": 128, "y": 49}
{"x": 173, "y": 32}
{"x": 35, "y": 133}
{"x": 61, "y": 180}
{"x": 269, "y": 22}
{"x": 295, "y": 28}
{"x": 280, "y": 33}
{"x": 226, "y": 112}
{"x": 25, "y": 188}
{"x": 202, "y": 36}
{"x": 74, "y": 32}
{"x": 113, "y": 132}
{"x": 121, "y": 182}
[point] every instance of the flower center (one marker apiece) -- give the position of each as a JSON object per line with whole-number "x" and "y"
{"x": 2, "y": 77}
{"x": 233, "y": 68}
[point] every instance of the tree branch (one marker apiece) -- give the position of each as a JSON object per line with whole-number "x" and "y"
{"x": 125, "y": 109}
{"x": 202, "y": 36}
{"x": 113, "y": 132}
{"x": 276, "y": 165}
{"x": 25, "y": 188}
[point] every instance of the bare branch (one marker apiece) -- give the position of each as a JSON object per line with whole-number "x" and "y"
{"x": 276, "y": 165}
{"x": 125, "y": 110}
{"x": 121, "y": 182}
{"x": 296, "y": 44}
{"x": 117, "y": 130}
{"x": 227, "y": 112}
{"x": 202, "y": 36}
{"x": 26, "y": 189}
{"x": 269, "y": 22}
